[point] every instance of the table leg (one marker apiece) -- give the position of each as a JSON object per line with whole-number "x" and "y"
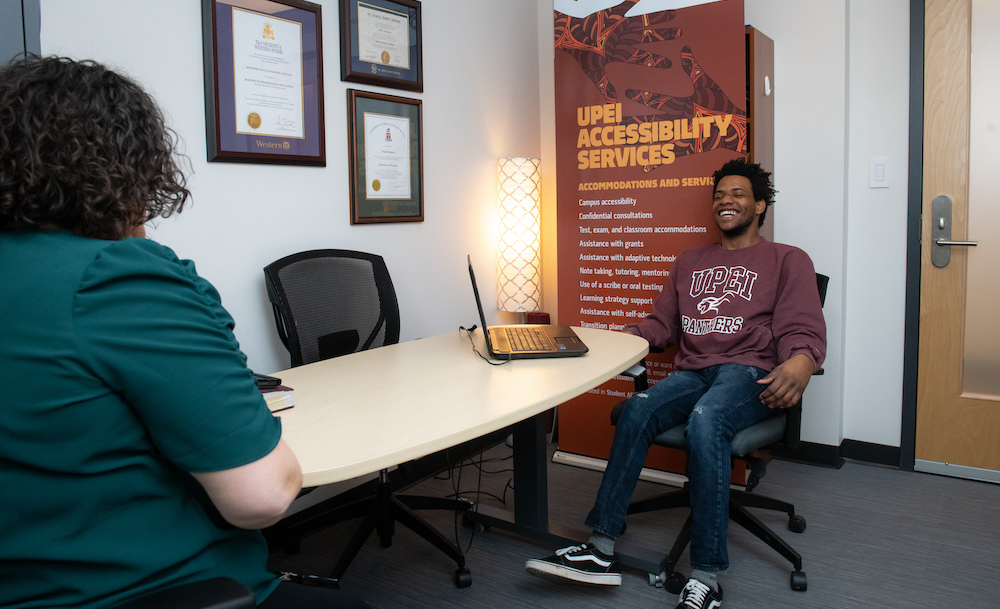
{"x": 531, "y": 506}
{"x": 531, "y": 503}
{"x": 531, "y": 500}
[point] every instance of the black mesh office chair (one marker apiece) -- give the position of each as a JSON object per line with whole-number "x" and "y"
{"x": 329, "y": 303}
{"x": 779, "y": 432}
{"x": 215, "y": 593}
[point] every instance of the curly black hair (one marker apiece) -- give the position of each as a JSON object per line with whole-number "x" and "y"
{"x": 82, "y": 148}
{"x": 760, "y": 179}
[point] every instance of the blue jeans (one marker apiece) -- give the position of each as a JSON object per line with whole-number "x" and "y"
{"x": 716, "y": 402}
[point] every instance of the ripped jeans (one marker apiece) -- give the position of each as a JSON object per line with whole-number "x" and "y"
{"x": 716, "y": 402}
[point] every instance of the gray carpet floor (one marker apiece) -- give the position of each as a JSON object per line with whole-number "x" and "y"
{"x": 876, "y": 537}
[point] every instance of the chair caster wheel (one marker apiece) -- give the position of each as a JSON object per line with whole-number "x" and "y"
{"x": 796, "y": 523}
{"x": 468, "y": 521}
{"x": 463, "y": 578}
{"x": 657, "y": 579}
{"x": 798, "y": 581}
{"x": 675, "y": 583}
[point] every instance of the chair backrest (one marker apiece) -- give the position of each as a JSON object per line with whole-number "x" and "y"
{"x": 329, "y": 303}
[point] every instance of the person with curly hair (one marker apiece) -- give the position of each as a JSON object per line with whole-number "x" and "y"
{"x": 746, "y": 316}
{"x": 136, "y": 452}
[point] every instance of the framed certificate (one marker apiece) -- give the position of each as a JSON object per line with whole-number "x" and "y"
{"x": 385, "y": 136}
{"x": 381, "y": 44}
{"x": 264, "y": 81}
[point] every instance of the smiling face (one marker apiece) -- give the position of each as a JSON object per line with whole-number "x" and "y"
{"x": 734, "y": 208}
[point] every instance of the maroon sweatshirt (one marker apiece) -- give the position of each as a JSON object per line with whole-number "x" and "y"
{"x": 756, "y": 306}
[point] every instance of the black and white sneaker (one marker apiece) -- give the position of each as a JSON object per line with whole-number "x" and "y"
{"x": 583, "y": 563}
{"x": 697, "y": 595}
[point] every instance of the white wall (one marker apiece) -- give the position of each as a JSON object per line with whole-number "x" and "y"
{"x": 876, "y": 221}
{"x": 810, "y": 106}
{"x": 841, "y": 87}
{"x": 480, "y": 103}
{"x": 841, "y": 97}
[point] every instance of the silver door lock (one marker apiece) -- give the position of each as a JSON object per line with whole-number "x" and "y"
{"x": 941, "y": 232}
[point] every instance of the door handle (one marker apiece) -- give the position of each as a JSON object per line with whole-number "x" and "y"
{"x": 941, "y": 232}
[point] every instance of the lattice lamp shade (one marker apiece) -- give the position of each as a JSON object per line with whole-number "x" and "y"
{"x": 519, "y": 282}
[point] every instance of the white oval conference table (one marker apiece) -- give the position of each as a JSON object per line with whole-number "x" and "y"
{"x": 371, "y": 410}
{"x": 367, "y": 411}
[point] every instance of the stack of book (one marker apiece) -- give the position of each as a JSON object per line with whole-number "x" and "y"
{"x": 277, "y": 396}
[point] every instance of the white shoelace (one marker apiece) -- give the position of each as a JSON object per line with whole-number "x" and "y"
{"x": 568, "y": 550}
{"x": 695, "y": 591}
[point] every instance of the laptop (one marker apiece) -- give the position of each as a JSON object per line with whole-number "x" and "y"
{"x": 527, "y": 342}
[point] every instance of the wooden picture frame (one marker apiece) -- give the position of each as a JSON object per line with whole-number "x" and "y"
{"x": 385, "y": 139}
{"x": 264, "y": 81}
{"x": 381, "y": 43}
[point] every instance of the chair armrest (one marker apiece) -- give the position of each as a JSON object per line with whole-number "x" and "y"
{"x": 215, "y": 593}
{"x": 638, "y": 373}
{"x": 793, "y": 423}
{"x": 636, "y": 370}
{"x": 793, "y": 427}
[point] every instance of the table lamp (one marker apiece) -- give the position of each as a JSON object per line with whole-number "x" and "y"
{"x": 518, "y": 262}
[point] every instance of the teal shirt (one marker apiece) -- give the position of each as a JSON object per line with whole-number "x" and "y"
{"x": 119, "y": 374}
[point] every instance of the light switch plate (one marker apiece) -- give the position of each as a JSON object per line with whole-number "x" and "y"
{"x": 878, "y": 172}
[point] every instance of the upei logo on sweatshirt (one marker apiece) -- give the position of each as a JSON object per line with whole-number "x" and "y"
{"x": 717, "y": 286}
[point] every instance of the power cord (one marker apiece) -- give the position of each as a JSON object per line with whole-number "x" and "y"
{"x": 456, "y": 485}
{"x": 469, "y": 332}
{"x": 447, "y": 475}
{"x": 457, "y": 492}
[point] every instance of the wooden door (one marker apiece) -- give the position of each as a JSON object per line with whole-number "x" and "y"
{"x": 958, "y": 424}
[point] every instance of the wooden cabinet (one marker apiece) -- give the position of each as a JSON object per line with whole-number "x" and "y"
{"x": 760, "y": 109}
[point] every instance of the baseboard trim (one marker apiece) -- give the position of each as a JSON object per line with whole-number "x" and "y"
{"x": 833, "y": 456}
{"x": 870, "y": 452}
{"x": 823, "y": 455}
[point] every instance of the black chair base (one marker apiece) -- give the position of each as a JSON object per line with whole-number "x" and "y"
{"x": 380, "y": 509}
{"x": 385, "y": 509}
{"x": 739, "y": 501}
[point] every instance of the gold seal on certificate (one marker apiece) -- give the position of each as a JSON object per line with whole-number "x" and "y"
{"x": 383, "y": 36}
{"x": 267, "y": 63}
{"x": 376, "y": 185}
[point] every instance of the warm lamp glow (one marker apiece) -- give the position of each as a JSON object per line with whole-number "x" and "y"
{"x": 519, "y": 282}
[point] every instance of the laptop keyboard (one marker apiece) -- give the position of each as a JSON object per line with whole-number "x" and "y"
{"x": 527, "y": 339}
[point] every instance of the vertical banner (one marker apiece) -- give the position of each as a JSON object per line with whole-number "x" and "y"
{"x": 649, "y": 103}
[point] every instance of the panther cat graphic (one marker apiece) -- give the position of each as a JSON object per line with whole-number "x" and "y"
{"x": 711, "y": 303}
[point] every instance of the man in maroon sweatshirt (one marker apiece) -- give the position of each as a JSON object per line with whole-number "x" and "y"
{"x": 746, "y": 316}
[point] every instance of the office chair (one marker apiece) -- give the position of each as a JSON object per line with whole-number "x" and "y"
{"x": 215, "y": 593}
{"x": 329, "y": 303}
{"x": 779, "y": 432}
